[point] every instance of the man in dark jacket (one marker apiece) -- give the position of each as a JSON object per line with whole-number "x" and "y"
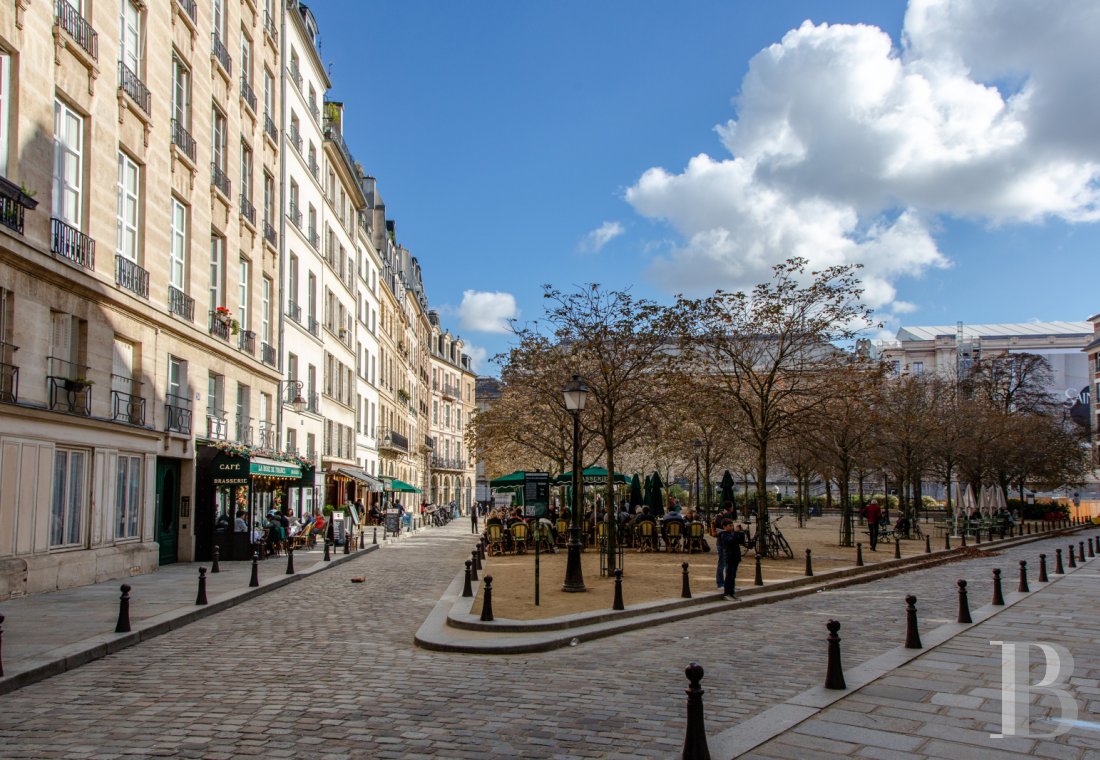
{"x": 730, "y": 540}
{"x": 873, "y": 513}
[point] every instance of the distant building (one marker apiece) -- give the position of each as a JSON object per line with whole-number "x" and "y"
{"x": 1092, "y": 352}
{"x": 487, "y": 393}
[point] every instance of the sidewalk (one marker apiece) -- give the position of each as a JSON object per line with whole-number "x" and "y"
{"x": 46, "y": 634}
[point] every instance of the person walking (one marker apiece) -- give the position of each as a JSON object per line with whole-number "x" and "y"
{"x": 730, "y": 540}
{"x": 873, "y": 514}
{"x": 473, "y": 520}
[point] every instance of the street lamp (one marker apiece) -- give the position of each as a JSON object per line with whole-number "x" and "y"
{"x": 698, "y": 445}
{"x": 576, "y": 394}
{"x": 292, "y": 394}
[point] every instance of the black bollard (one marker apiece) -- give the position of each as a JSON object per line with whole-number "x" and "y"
{"x": 809, "y": 565}
{"x": 912, "y": 635}
{"x": 964, "y": 604}
{"x": 617, "y": 604}
{"x": 1058, "y": 569}
{"x": 327, "y": 557}
{"x": 478, "y": 557}
{"x": 834, "y": 674}
{"x": 1072, "y": 557}
{"x": 467, "y": 586}
{"x": 859, "y": 555}
{"x": 1091, "y": 555}
{"x": 695, "y": 739}
{"x": 977, "y": 537}
{"x": 1, "y": 646}
{"x": 201, "y": 598}
{"x": 897, "y": 548}
{"x": 991, "y": 532}
{"x": 759, "y": 579}
{"x": 962, "y": 538}
{"x": 473, "y": 570}
{"x": 215, "y": 567}
{"x": 927, "y": 544}
{"x": 1081, "y": 551}
{"x": 1027, "y": 529}
{"x": 487, "y": 600}
{"x": 255, "y": 579}
{"x": 998, "y": 597}
{"x": 375, "y": 535}
{"x": 685, "y": 584}
{"x": 1043, "y": 569}
{"x": 290, "y": 560}
{"x": 347, "y": 544}
{"x": 1023, "y": 587}
{"x": 947, "y": 540}
{"x": 123, "y": 625}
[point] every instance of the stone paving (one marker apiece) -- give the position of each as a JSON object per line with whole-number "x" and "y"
{"x": 324, "y": 668}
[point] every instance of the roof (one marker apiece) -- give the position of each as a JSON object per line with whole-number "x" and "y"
{"x": 1009, "y": 330}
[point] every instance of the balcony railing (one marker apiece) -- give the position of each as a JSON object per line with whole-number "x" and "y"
{"x": 217, "y": 49}
{"x": 190, "y": 8}
{"x": 220, "y": 325}
{"x": 220, "y": 179}
{"x": 267, "y": 354}
{"x": 450, "y": 391}
{"x": 446, "y": 463}
{"x": 72, "y": 244}
{"x": 315, "y": 111}
{"x": 315, "y": 239}
{"x": 388, "y": 439}
{"x": 248, "y": 211}
{"x": 332, "y": 133}
{"x": 248, "y": 94}
{"x": 70, "y": 389}
{"x": 295, "y": 216}
{"x": 314, "y": 169}
{"x": 69, "y": 19}
{"x": 127, "y": 404}
{"x": 314, "y": 327}
{"x": 217, "y": 426}
{"x": 183, "y": 140}
{"x": 270, "y": 235}
{"x": 295, "y": 140}
{"x": 247, "y": 342}
{"x": 313, "y": 402}
{"x": 296, "y": 77}
{"x": 270, "y": 28}
{"x": 130, "y": 276}
{"x": 134, "y": 87}
{"x": 13, "y": 203}
{"x": 181, "y": 304}
{"x": 244, "y": 430}
{"x": 294, "y": 311}
{"x": 266, "y": 435}
{"x": 270, "y": 129}
{"x": 177, "y": 413}
{"x": 9, "y": 374}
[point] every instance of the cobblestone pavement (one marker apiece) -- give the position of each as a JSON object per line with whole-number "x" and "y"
{"x": 327, "y": 669}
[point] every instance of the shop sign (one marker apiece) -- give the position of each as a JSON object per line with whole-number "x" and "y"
{"x": 230, "y": 471}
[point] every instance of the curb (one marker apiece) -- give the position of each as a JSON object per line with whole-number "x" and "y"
{"x": 74, "y": 655}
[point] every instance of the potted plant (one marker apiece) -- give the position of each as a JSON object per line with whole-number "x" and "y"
{"x": 78, "y": 383}
{"x": 223, "y": 315}
{"x": 403, "y": 394}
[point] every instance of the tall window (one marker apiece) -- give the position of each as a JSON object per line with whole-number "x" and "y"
{"x": 244, "y": 411}
{"x": 292, "y": 281}
{"x": 265, "y": 310}
{"x": 70, "y": 496}
{"x": 217, "y": 272}
{"x": 215, "y": 390}
{"x": 177, "y": 247}
{"x": 5, "y": 109}
{"x": 181, "y": 93}
{"x": 244, "y": 293}
{"x": 294, "y": 203}
{"x": 311, "y": 304}
{"x": 269, "y": 198}
{"x": 130, "y": 47}
{"x": 220, "y": 19}
{"x": 246, "y": 171}
{"x": 127, "y": 496}
{"x": 128, "y": 209}
{"x": 68, "y": 164}
{"x": 246, "y": 58}
{"x": 218, "y": 137}
{"x": 269, "y": 94}
{"x": 177, "y": 376}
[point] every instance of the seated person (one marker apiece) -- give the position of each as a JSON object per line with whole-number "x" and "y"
{"x": 240, "y": 525}
{"x": 318, "y": 524}
{"x": 494, "y": 518}
{"x": 643, "y": 517}
{"x": 223, "y": 523}
{"x": 674, "y": 516}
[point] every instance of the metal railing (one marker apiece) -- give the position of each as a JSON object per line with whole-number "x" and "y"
{"x": 267, "y": 354}
{"x": 295, "y": 216}
{"x": 244, "y": 430}
{"x": 9, "y": 374}
{"x": 131, "y": 276}
{"x": 270, "y": 235}
{"x": 77, "y": 27}
{"x": 314, "y": 327}
{"x": 266, "y": 435}
{"x": 447, "y": 463}
{"x": 296, "y": 77}
{"x": 217, "y": 426}
{"x": 72, "y": 244}
{"x": 295, "y": 140}
{"x": 220, "y": 179}
{"x": 248, "y": 211}
{"x": 217, "y": 49}
{"x": 294, "y": 311}
{"x": 220, "y": 326}
{"x": 315, "y": 239}
{"x": 177, "y": 413}
{"x": 247, "y": 342}
{"x": 270, "y": 28}
{"x": 314, "y": 169}
{"x": 132, "y": 85}
{"x": 313, "y": 402}
{"x": 332, "y": 133}
{"x": 388, "y": 439}
{"x": 127, "y": 404}
{"x": 270, "y": 129}
{"x": 449, "y": 391}
{"x": 247, "y": 93}
{"x": 181, "y": 304}
{"x": 183, "y": 140}
{"x": 13, "y": 204}
{"x": 69, "y": 386}
{"x": 190, "y": 9}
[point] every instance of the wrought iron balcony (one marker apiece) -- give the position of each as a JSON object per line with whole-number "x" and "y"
{"x": 131, "y": 276}
{"x": 314, "y": 111}
{"x": 294, "y": 311}
{"x": 332, "y": 134}
{"x": 295, "y": 216}
{"x": 270, "y": 129}
{"x": 77, "y": 27}
{"x": 181, "y": 304}
{"x": 177, "y": 413}
{"x": 72, "y": 244}
{"x": 127, "y": 404}
{"x": 270, "y": 28}
{"x": 314, "y": 169}
{"x": 217, "y": 426}
{"x": 220, "y": 179}
{"x": 248, "y": 342}
{"x": 70, "y": 388}
{"x": 447, "y": 463}
{"x": 313, "y": 402}
{"x": 315, "y": 239}
{"x": 221, "y": 55}
{"x": 244, "y": 430}
{"x": 267, "y": 435}
{"x": 267, "y": 354}
{"x": 247, "y": 93}
{"x": 9, "y": 374}
{"x": 248, "y": 211}
{"x": 449, "y": 391}
{"x": 388, "y": 439}
{"x": 314, "y": 327}
{"x": 183, "y": 140}
{"x": 221, "y": 325}
{"x": 296, "y": 77}
{"x": 190, "y": 9}
{"x": 135, "y": 88}
{"x": 270, "y": 235}
{"x": 13, "y": 203}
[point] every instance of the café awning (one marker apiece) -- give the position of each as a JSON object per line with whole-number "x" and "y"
{"x": 399, "y": 485}
{"x": 271, "y": 468}
{"x": 372, "y": 483}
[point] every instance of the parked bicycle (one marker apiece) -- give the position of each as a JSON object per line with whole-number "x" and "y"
{"x": 774, "y": 542}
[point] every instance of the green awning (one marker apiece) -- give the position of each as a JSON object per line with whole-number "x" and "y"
{"x": 400, "y": 485}
{"x": 591, "y": 476}
{"x": 510, "y": 480}
{"x": 270, "y": 468}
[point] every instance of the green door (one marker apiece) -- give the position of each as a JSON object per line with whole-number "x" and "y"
{"x": 168, "y": 508}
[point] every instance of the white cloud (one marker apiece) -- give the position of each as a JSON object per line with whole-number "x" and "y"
{"x": 847, "y": 150}
{"x": 478, "y": 357}
{"x": 487, "y": 311}
{"x": 601, "y": 236}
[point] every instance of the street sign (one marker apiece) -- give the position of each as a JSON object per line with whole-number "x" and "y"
{"x": 536, "y": 494}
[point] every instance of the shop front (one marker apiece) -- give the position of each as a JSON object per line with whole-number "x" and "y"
{"x": 236, "y": 488}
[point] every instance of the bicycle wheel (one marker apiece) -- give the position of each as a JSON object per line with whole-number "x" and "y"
{"x": 782, "y": 544}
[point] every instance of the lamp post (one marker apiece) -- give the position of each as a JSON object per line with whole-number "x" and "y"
{"x": 292, "y": 394}
{"x": 576, "y": 393}
{"x": 698, "y": 445}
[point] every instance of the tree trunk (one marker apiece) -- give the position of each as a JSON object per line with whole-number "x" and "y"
{"x": 845, "y": 509}
{"x": 828, "y": 494}
{"x": 761, "y": 494}
{"x": 610, "y": 510}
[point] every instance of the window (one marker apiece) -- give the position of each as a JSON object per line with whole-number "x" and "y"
{"x": 130, "y": 47}
{"x": 70, "y": 495}
{"x": 244, "y": 408}
{"x": 181, "y": 93}
{"x": 126, "y": 244}
{"x": 123, "y": 388}
{"x": 5, "y": 109}
{"x": 215, "y": 388}
{"x": 295, "y": 215}
{"x": 217, "y": 272}
{"x": 127, "y": 496}
{"x": 312, "y": 224}
{"x": 244, "y": 293}
{"x": 918, "y": 368}
{"x": 291, "y": 440}
{"x": 311, "y": 303}
{"x": 68, "y": 164}
{"x": 246, "y": 58}
{"x": 265, "y": 310}
{"x": 177, "y": 247}
{"x": 269, "y": 94}
{"x": 220, "y": 19}
{"x": 269, "y": 198}
{"x": 246, "y": 171}
{"x": 177, "y": 377}
{"x": 292, "y": 281}
{"x": 218, "y": 136}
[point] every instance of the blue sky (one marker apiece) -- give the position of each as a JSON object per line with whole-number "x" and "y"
{"x": 522, "y": 143}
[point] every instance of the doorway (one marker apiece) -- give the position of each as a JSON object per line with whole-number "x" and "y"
{"x": 168, "y": 509}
